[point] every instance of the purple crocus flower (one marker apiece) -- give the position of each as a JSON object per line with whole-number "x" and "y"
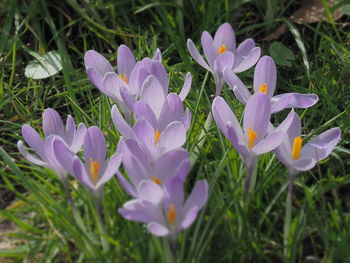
{"x": 140, "y": 166}
{"x": 265, "y": 76}
{"x": 127, "y": 82}
{"x": 164, "y": 209}
{"x": 52, "y": 126}
{"x": 297, "y": 157}
{"x": 221, "y": 52}
{"x": 253, "y": 140}
{"x": 97, "y": 169}
{"x": 158, "y": 107}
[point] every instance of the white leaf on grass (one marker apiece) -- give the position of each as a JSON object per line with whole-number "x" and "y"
{"x": 44, "y": 66}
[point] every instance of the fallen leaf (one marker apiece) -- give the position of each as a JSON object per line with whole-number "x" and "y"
{"x": 44, "y": 66}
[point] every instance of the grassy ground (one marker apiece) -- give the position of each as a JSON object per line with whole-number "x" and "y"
{"x": 229, "y": 229}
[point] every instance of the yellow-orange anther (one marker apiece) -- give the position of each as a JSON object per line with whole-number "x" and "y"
{"x": 94, "y": 169}
{"x": 296, "y": 149}
{"x": 123, "y": 77}
{"x": 156, "y": 136}
{"x": 171, "y": 214}
{"x": 222, "y": 49}
{"x": 263, "y": 88}
{"x": 157, "y": 181}
{"x": 251, "y": 137}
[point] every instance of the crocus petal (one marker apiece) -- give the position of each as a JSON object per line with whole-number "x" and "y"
{"x": 268, "y": 144}
{"x": 173, "y": 136}
{"x": 225, "y": 36}
{"x": 79, "y": 173}
{"x": 186, "y": 87}
{"x": 239, "y": 89}
{"x": 257, "y": 115}
{"x": 225, "y": 60}
{"x": 33, "y": 139}
{"x": 143, "y": 111}
{"x": 141, "y": 211}
{"x": 172, "y": 110}
{"x": 293, "y": 100}
{"x": 174, "y": 189}
{"x": 119, "y": 122}
{"x": 186, "y": 119}
{"x": 196, "y": 55}
{"x": 63, "y": 154}
{"x": 237, "y": 143}
{"x": 95, "y": 77}
{"x": 248, "y": 61}
{"x": 98, "y": 62}
{"x": 111, "y": 169}
{"x": 153, "y": 94}
{"x": 70, "y": 130}
{"x": 126, "y": 185}
{"x": 52, "y": 123}
{"x": 157, "y": 229}
{"x": 265, "y": 72}
{"x": 95, "y": 147}
{"x": 51, "y": 157}
{"x": 168, "y": 164}
{"x": 78, "y": 138}
{"x": 158, "y": 55}
{"x": 321, "y": 147}
{"x": 31, "y": 158}
{"x": 223, "y": 115}
{"x": 145, "y": 133}
{"x": 198, "y": 196}
{"x": 189, "y": 217}
{"x": 183, "y": 169}
{"x": 150, "y": 191}
{"x": 208, "y": 48}
{"x": 304, "y": 164}
{"x": 245, "y": 47}
{"x": 112, "y": 85}
{"x": 127, "y": 98}
{"x": 126, "y": 61}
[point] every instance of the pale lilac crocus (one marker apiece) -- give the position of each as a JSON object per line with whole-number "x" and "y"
{"x": 96, "y": 169}
{"x": 253, "y": 140}
{"x": 265, "y": 77}
{"x": 140, "y": 165}
{"x": 158, "y": 107}
{"x": 221, "y": 52}
{"x": 163, "y": 208}
{"x": 52, "y": 126}
{"x": 127, "y": 80}
{"x": 297, "y": 157}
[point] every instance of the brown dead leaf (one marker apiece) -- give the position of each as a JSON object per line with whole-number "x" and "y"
{"x": 311, "y": 11}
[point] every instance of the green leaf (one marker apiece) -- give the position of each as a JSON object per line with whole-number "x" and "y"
{"x": 281, "y": 54}
{"x": 44, "y": 66}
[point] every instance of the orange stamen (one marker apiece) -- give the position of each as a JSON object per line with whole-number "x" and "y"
{"x": 94, "y": 169}
{"x": 156, "y": 136}
{"x": 251, "y": 137}
{"x": 171, "y": 214}
{"x": 222, "y": 49}
{"x": 296, "y": 149}
{"x": 157, "y": 181}
{"x": 123, "y": 77}
{"x": 263, "y": 88}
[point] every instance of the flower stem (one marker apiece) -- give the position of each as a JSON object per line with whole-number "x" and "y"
{"x": 250, "y": 179}
{"x": 100, "y": 223}
{"x": 170, "y": 249}
{"x": 288, "y": 214}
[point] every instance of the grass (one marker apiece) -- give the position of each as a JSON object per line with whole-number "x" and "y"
{"x": 229, "y": 229}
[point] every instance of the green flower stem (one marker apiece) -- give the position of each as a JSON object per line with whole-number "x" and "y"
{"x": 100, "y": 222}
{"x": 250, "y": 179}
{"x": 288, "y": 215}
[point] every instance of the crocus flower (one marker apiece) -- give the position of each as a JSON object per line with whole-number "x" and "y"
{"x": 52, "y": 126}
{"x": 265, "y": 76}
{"x": 253, "y": 140}
{"x": 163, "y": 208}
{"x": 297, "y": 157}
{"x": 140, "y": 165}
{"x": 158, "y": 107}
{"x": 221, "y": 52}
{"x": 130, "y": 74}
{"x": 97, "y": 169}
